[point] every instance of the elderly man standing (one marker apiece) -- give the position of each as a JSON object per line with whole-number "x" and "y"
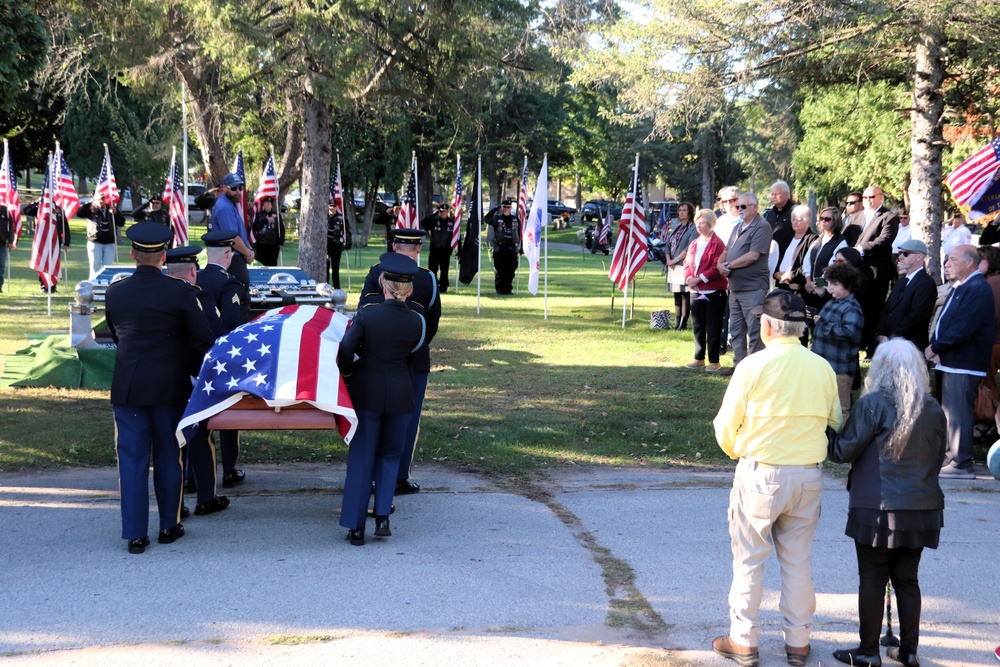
{"x": 744, "y": 263}
{"x": 907, "y": 312}
{"x": 879, "y": 228}
{"x": 779, "y": 216}
{"x": 779, "y": 440}
{"x": 961, "y": 346}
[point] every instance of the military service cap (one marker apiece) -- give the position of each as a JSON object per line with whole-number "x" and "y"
{"x": 397, "y": 267}
{"x": 408, "y": 236}
{"x": 184, "y": 255}
{"x": 220, "y": 238}
{"x": 149, "y": 236}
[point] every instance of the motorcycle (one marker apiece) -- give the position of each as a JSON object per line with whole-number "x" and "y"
{"x": 657, "y": 250}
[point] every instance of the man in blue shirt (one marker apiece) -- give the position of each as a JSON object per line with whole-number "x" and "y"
{"x": 225, "y": 216}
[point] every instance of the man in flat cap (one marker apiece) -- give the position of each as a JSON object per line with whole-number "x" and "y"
{"x": 438, "y": 228}
{"x": 907, "y": 311}
{"x": 160, "y": 329}
{"x": 506, "y": 233}
{"x": 424, "y": 300}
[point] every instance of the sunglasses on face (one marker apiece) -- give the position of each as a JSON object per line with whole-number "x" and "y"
{"x": 872, "y": 197}
{"x": 826, "y": 218}
{"x": 745, "y": 206}
{"x": 854, "y": 202}
{"x": 905, "y": 254}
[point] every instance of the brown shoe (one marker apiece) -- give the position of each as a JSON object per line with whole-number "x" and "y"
{"x": 743, "y": 655}
{"x": 697, "y": 363}
{"x": 797, "y": 655}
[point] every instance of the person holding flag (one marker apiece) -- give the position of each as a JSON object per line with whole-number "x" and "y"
{"x": 226, "y": 216}
{"x": 102, "y": 218}
{"x": 269, "y": 231}
{"x": 10, "y": 211}
{"x": 6, "y": 241}
{"x": 506, "y": 238}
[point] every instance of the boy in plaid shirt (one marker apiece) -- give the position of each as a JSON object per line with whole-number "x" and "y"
{"x": 837, "y": 336}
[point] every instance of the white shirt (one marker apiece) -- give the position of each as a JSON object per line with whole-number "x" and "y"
{"x": 902, "y": 236}
{"x": 699, "y": 252}
{"x": 952, "y": 237}
{"x": 725, "y": 225}
{"x": 786, "y": 259}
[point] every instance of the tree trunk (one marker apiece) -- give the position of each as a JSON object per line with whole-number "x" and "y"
{"x": 315, "y": 187}
{"x": 926, "y": 141}
{"x": 707, "y": 179}
{"x": 579, "y": 193}
{"x": 290, "y": 163}
{"x": 199, "y": 75}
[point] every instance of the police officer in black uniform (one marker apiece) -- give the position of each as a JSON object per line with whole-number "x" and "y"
{"x": 424, "y": 300}
{"x": 153, "y": 211}
{"x": 385, "y": 336}
{"x": 338, "y": 239}
{"x": 229, "y": 298}
{"x": 506, "y": 246}
{"x": 438, "y": 226}
{"x": 199, "y": 454}
{"x": 160, "y": 329}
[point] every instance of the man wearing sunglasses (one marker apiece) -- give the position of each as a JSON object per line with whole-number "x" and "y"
{"x": 226, "y": 217}
{"x": 875, "y": 245}
{"x": 854, "y": 218}
{"x": 907, "y": 312}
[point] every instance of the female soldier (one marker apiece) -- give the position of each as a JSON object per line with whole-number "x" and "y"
{"x": 384, "y": 336}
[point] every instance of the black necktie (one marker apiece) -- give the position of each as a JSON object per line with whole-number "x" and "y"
{"x": 902, "y": 283}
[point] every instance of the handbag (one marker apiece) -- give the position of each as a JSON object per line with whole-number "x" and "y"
{"x": 985, "y": 408}
{"x": 660, "y": 319}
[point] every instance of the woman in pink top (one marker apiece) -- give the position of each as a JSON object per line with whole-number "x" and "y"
{"x": 708, "y": 290}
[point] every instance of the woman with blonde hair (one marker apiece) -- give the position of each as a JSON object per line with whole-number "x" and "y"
{"x": 895, "y": 441}
{"x": 708, "y": 290}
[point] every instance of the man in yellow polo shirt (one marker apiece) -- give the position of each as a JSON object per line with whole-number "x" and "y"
{"x": 774, "y": 419}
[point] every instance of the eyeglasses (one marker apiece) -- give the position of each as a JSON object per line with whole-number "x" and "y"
{"x": 905, "y": 254}
{"x": 826, "y": 218}
{"x": 853, "y": 202}
{"x": 872, "y": 197}
{"x": 745, "y": 206}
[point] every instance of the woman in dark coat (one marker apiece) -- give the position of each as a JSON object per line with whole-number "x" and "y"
{"x": 384, "y": 336}
{"x": 895, "y": 441}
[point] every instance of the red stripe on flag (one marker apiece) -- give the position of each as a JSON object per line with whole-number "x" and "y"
{"x": 309, "y": 346}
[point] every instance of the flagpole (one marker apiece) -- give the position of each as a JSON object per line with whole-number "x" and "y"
{"x": 628, "y": 248}
{"x": 277, "y": 206}
{"x": 108, "y": 202}
{"x": 343, "y": 214}
{"x": 545, "y": 300}
{"x": 478, "y": 190}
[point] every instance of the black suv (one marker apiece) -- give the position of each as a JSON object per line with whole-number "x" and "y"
{"x": 597, "y": 209}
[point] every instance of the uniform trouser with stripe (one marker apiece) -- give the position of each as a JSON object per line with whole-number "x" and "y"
{"x": 142, "y": 432}
{"x": 201, "y": 458}
{"x": 373, "y": 455}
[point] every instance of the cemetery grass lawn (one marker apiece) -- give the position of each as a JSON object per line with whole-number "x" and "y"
{"x": 510, "y": 392}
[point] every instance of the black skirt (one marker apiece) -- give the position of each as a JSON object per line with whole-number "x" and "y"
{"x": 911, "y": 529}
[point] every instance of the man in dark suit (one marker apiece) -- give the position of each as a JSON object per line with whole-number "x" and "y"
{"x": 424, "y": 300}
{"x": 234, "y": 308}
{"x": 961, "y": 346}
{"x": 854, "y": 218}
{"x": 160, "y": 330}
{"x": 907, "y": 312}
{"x": 875, "y": 245}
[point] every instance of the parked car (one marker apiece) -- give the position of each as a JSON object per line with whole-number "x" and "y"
{"x": 196, "y": 214}
{"x": 653, "y": 218}
{"x": 293, "y": 200}
{"x": 596, "y": 209}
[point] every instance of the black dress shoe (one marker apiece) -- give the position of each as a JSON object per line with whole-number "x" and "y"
{"x": 185, "y": 512}
{"x": 139, "y": 545}
{"x": 852, "y": 656}
{"x": 168, "y": 535}
{"x": 356, "y": 537}
{"x": 405, "y": 486}
{"x": 190, "y": 485}
{"x": 233, "y": 478}
{"x": 216, "y": 504}
{"x": 382, "y": 527}
{"x": 908, "y": 659}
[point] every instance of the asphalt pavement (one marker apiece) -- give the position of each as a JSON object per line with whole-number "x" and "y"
{"x": 590, "y": 566}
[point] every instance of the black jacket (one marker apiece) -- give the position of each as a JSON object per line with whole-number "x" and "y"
{"x": 6, "y": 227}
{"x": 907, "y": 311}
{"x": 269, "y": 228}
{"x": 875, "y": 481}
{"x": 875, "y": 242}
{"x": 61, "y": 227}
{"x": 101, "y": 223}
{"x": 438, "y": 229}
{"x": 227, "y": 293}
{"x": 161, "y": 331}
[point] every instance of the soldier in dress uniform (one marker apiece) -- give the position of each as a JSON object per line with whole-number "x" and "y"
{"x": 160, "y": 328}
{"x": 506, "y": 246}
{"x": 438, "y": 227}
{"x": 199, "y": 454}
{"x": 338, "y": 239}
{"x": 424, "y": 300}
{"x": 229, "y": 298}
{"x": 385, "y": 336}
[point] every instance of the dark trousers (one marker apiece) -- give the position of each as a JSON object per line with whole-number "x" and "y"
{"x": 682, "y": 308}
{"x": 724, "y": 338}
{"x": 872, "y": 300}
{"x": 876, "y": 566}
{"x": 958, "y": 399}
{"x": 413, "y": 428}
{"x": 201, "y": 461}
{"x": 505, "y": 265}
{"x": 437, "y": 263}
{"x": 373, "y": 455}
{"x": 141, "y": 432}
{"x": 229, "y": 448}
{"x": 333, "y": 256}
{"x": 267, "y": 253}
{"x": 706, "y": 314}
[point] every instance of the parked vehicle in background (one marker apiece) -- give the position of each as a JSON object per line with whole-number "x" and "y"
{"x": 293, "y": 200}
{"x": 653, "y": 217}
{"x": 596, "y": 209}
{"x": 196, "y": 214}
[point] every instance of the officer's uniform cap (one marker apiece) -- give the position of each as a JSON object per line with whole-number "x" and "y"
{"x": 219, "y": 238}
{"x": 397, "y": 267}
{"x": 184, "y": 255}
{"x": 149, "y": 236}
{"x": 408, "y": 236}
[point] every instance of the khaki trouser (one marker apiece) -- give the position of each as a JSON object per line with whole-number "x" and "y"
{"x": 844, "y": 383}
{"x": 777, "y": 505}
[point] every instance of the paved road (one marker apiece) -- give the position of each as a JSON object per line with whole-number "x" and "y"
{"x": 595, "y": 567}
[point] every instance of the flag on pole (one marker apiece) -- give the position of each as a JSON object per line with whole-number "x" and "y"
{"x": 456, "y": 208}
{"x": 407, "y": 218}
{"x": 241, "y": 205}
{"x": 106, "y": 183}
{"x": 633, "y": 245}
{"x": 537, "y": 218}
{"x": 662, "y": 222}
{"x": 468, "y": 257}
{"x": 974, "y": 185}
{"x": 45, "y": 255}
{"x": 605, "y": 228}
{"x": 8, "y": 192}
{"x": 268, "y": 187}
{"x": 173, "y": 196}
{"x": 522, "y": 198}
{"x": 287, "y": 355}
{"x": 337, "y": 191}
{"x": 64, "y": 192}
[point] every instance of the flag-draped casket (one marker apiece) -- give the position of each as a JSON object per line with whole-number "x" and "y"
{"x": 285, "y": 357}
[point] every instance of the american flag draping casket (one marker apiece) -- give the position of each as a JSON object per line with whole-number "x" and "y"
{"x": 285, "y": 357}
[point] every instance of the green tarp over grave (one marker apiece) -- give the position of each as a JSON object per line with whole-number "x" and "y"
{"x": 50, "y": 361}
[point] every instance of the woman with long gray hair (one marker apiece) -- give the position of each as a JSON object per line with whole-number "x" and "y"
{"x": 895, "y": 442}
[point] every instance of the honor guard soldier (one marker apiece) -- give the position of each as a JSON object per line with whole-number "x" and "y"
{"x": 338, "y": 239}
{"x": 424, "y": 300}
{"x": 228, "y": 294}
{"x": 384, "y": 336}
{"x": 199, "y": 455}
{"x": 160, "y": 330}
{"x": 438, "y": 227}
{"x": 506, "y": 246}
